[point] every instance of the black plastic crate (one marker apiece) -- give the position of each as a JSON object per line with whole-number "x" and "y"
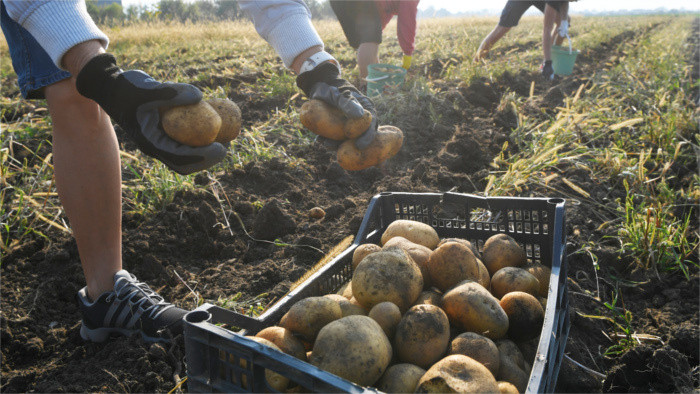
{"x": 214, "y": 355}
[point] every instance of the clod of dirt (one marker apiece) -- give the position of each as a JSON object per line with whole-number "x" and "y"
{"x": 506, "y": 118}
{"x": 335, "y": 171}
{"x": 334, "y": 212}
{"x": 686, "y": 339}
{"x": 271, "y": 222}
{"x": 574, "y": 379}
{"x": 644, "y": 369}
{"x": 201, "y": 179}
{"x": 481, "y": 94}
{"x": 554, "y": 97}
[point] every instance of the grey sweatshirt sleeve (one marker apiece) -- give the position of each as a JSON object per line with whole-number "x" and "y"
{"x": 284, "y": 24}
{"x": 57, "y": 25}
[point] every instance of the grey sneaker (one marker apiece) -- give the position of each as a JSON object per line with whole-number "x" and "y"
{"x": 132, "y": 307}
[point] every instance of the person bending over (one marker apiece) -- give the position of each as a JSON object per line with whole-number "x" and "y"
{"x": 59, "y": 54}
{"x": 364, "y": 21}
{"x": 510, "y": 16}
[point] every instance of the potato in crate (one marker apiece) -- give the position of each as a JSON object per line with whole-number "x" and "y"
{"x": 453, "y": 282}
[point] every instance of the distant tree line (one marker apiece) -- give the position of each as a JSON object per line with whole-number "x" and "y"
{"x": 179, "y": 10}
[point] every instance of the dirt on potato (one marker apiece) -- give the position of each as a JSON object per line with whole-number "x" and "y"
{"x": 41, "y": 346}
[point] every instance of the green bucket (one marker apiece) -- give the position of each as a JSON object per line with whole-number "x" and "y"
{"x": 384, "y": 78}
{"x": 563, "y": 59}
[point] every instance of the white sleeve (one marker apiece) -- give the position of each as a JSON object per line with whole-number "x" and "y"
{"x": 57, "y": 25}
{"x": 284, "y": 24}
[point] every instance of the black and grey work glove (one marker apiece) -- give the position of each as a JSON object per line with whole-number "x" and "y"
{"x": 324, "y": 83}
{"x": 547, "y": 70}
{"x": 132, "y": 98}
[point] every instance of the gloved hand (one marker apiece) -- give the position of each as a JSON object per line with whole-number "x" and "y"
{"x": 132, "y": 98}
{"x": 564, "y": 28}
{"x": 324, "y": 83}
{"x": 407, "y": 61}
{"x": 547, "y": 70}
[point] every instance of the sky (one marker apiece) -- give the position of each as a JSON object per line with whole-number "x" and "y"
{"x": 456, "y": 6}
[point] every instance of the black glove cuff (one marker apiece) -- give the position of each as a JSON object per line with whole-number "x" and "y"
{"x": 94, "y": 80}
{"x": 327, "y": 73}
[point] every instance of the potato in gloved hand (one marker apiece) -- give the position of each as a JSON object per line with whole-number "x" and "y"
{"x": 203, "y": 123}
{"x": 332, "y": 123}
{"x": 385, "y": 145}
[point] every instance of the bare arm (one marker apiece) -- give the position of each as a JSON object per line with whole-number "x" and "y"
{"x": 496, "y": 34}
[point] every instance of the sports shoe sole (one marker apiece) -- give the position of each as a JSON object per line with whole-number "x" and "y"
{"x": 102, "y": 334}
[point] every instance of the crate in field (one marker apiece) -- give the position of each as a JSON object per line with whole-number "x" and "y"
{"x": 220, "y": 360}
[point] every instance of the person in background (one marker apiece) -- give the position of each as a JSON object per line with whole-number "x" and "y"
{"x": 59, "y": 54}
{"x": 555, "y": 12}
{"x": 510, "y": 16}
{"x": 363, "y": 23}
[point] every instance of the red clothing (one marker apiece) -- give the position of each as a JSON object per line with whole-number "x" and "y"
{"x": 406, "y": 21}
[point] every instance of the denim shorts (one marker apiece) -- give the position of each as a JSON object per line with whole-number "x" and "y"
{"x": 34, "y": 68}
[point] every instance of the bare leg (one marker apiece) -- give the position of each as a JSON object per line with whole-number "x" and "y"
{"x": 550, "y": 15}
{"x": 367, "y": 53}
{"x": 496, "y": 34}
{"x": 88, "y": 175}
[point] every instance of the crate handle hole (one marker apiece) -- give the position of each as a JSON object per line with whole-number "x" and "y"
{"x": 198, "y": 317}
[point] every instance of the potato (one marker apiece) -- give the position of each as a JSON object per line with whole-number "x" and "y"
{"x": 347, "y": 308}
{"x": 414, "y": 231}
{"x": 484, "y": 277}
{"x": 452, "y": 263}
{"x": 362, "y": 251}
{"x": 422, "y": 335}
{"x": 389, "y": 275}
{"x": 473, "y": 247}
{"x": 512, "y": 365}
{"x": 525, "y": 315}
{"x": 477, "y": 347}
{"x": 457, "y": 374}
{"x": 306, "y": 317}
{"x": 501, "y": 250}
{"x": 346, "y": 290}
{"x": 542, "y": 273}
{"x": 317, "y": 213}
{"x": 330, "y": 122}
{"x": 384, "y": 146}
{"x": 275, "y": 380}
{"x": 419, "y": 253}
{"x": 285, "y": 340}
{"x": 400, "y": 378}
{"x": 354, "y": 348}
{"x": 528, "y": 348}
{"x": 354, "y": 301}
{"x": 230, "y": 119}
{"x": 431, "y": 296}
{"x": 193, "y": 125}
{"x": 506, "y": 388}
{"x": 509, "y": 279}
{"x": 387, "y": 315}
{"x": 471, "y": 307}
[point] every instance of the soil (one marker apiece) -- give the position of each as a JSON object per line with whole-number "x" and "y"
{"x": 186, "y": 243}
